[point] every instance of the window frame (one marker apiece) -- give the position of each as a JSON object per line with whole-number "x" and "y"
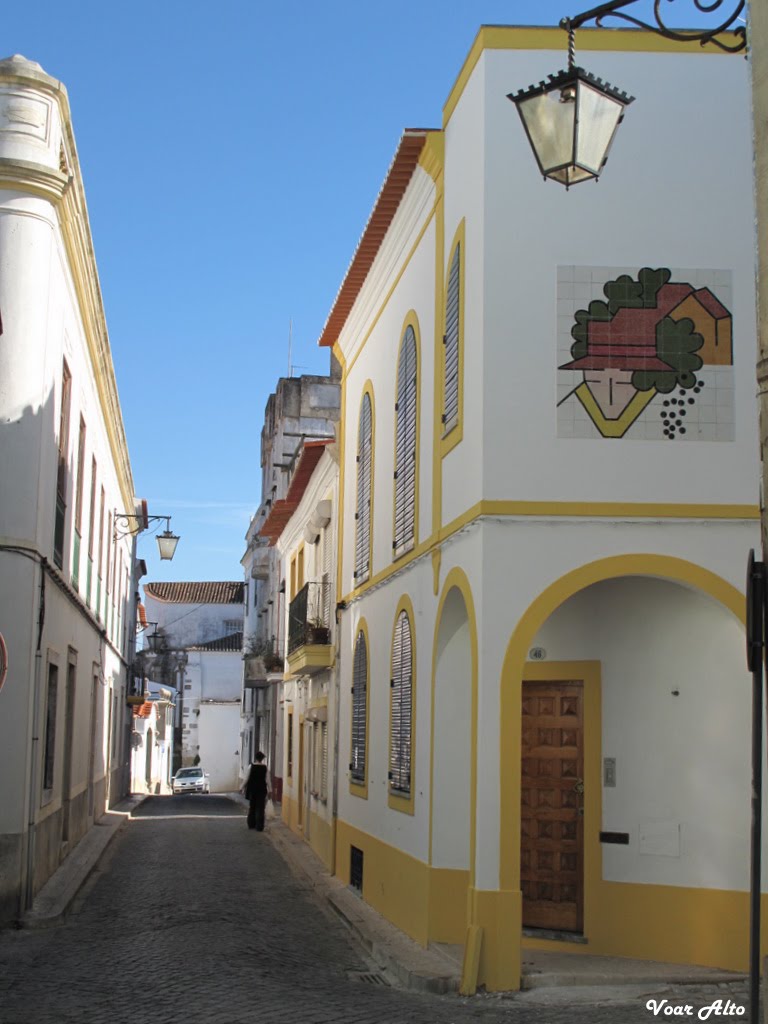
{"x": 452, "y": 429}
{"x": 363, "y": 572}
{"x": 400, "y": 799}
{"x": 358, "y": 786}
{"x": 406, "y": 487}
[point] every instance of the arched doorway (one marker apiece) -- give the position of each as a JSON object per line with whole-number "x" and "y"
{"x": 626, "y": 803}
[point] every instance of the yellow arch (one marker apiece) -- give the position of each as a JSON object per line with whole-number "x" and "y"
{"x": 361, "y": 788}
{"x": 411, "y": 320}
{"x": 661, "y": 566}
{"x": 457, "y": 579}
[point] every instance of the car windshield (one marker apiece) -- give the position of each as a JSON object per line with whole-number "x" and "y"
{"x": 189, "y": 773}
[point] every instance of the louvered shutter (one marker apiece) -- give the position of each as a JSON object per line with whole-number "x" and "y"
{"x": 402, "y": 711}
{"x": 405, "y": 445}
{"x": 363, "y": 513}
{"x": 451, "y": 343}
{"x": 326, "y": 577}
{"x": 324, "y": 761}
{"x": 359, "y": 702}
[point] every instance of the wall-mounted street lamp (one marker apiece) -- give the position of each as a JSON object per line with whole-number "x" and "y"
{"x": 571, "y": 119}
{"x": 166, "y": 541}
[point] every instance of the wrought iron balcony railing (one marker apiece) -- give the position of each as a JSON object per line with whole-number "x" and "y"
{"x": 309, "y": 616}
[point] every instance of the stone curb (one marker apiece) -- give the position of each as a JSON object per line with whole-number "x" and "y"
{"x": 58, "y": 893}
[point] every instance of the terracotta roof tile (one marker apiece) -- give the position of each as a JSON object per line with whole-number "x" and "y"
{"x": 232, "y": 642}
{"x": 392, "y": 191}
{"x": 229, "y": 592}
{"x": 282, "y": 510}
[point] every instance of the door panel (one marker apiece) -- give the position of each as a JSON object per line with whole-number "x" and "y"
{"x": 551, "y": 805}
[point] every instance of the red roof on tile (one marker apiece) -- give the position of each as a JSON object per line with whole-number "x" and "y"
{"x": 396, "y": 182}
{"x": 142, "y": 710}
{"x": 282, "y": 510}
{"x": 229, "y": 592}
{"x": 712, "y": 305}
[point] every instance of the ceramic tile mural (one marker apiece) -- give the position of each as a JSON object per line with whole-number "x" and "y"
{"x": 644, "y": 353}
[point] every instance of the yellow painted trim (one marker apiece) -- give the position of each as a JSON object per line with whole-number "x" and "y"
{"x": 617, "y": 510}
{"x": 397, "y": 802}
{"x": 514, "y": 668}
{"x": 321, "y": 838}
{"x": 438, "y": 355}
{"x": 411, "y": 320}
{"x": 367, "y": 390}
{"x": 394, "y": 883}
{"x": 432, "y": 158}
{"x": 457, "y": 579}
{"x": 564, "y": 509}
{"x": 360, "y": 789}
{"x": 454, "y": 436}
{"x": 448, "y": 905}
{"x": 510, "y": 37}
{"x": 391, "y": 291}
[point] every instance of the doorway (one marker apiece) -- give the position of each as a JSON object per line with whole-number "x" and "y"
{"x": 552, "y": 805}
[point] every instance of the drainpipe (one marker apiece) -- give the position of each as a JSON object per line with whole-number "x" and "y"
{"x": 29, "y": 879}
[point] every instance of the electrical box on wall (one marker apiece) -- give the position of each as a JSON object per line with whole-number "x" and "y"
{"x": 609, "y": 772}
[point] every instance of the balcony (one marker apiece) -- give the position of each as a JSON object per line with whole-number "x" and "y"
{"x": 260, "y": 562}
{"x": 263, "y": 663}
{"x": 309, "y": 631}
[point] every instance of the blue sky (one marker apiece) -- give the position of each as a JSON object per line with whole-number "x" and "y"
{"x": 231, "y": 154}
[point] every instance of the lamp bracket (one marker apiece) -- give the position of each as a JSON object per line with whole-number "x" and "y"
{"x": 614, "y": 9}
{"x": 142, "y": 523}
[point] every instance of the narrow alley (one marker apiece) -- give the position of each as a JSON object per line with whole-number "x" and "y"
{"x": 191, "y": 917}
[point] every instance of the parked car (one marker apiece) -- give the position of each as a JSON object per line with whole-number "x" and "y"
{"x": 191, "y": 780}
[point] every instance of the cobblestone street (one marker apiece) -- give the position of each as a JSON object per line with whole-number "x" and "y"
{"x": 192, "y": 918}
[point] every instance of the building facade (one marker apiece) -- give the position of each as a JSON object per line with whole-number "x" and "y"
{"x": 66, "y": 548}
{"x": 549, "y": 487}
{"x": 300, "y": 409}
{"x": 200, "y": 629}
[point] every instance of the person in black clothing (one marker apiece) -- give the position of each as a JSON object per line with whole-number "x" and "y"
{"x": 257, "y": 792}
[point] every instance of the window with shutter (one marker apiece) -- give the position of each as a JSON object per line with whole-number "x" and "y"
{"x": 401, "y": 713}
{"x": 364, "y": 496}
{"x": 451, "y": 343}
{"x": 357, "y": 765}
{"x": 324, "y": 761}
{"x": 406, "y": 420}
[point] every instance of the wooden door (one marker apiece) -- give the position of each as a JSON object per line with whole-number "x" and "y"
{"x": 551, "y": 804}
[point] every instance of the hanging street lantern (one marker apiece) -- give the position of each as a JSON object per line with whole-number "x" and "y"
{"x": 570, "y": 121}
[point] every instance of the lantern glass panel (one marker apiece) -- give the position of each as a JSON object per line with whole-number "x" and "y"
{"x": 598, "y": 118}
{"x": 167, "y": 542}
{"x": 550, "y": 124}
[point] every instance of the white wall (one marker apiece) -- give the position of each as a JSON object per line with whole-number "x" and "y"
{"x": 219, "y": 739}
{"x": 682, "y": 759}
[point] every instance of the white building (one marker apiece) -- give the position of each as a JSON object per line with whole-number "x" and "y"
{"x": 66, "y": 548}
{"x": 152, "y": 741}
{"x": 549, "y": 487}
{"x": 300, "y": 408}
{"x": 303, "y": 527}
{"x": 201, "y": 625}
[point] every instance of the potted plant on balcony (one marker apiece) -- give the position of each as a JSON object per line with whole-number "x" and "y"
{"x": 273, "y": 662}
{"x": 318, "y": 632}
{"x": 254, "y": 651}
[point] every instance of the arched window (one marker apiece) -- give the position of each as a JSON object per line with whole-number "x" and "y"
{"x": 451, "y": 343}
{"x": 406, "y": 409}
{"x": 357, "y": 764}
{"x": 363, "y": 511}
{"x": 401, "y": 708}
